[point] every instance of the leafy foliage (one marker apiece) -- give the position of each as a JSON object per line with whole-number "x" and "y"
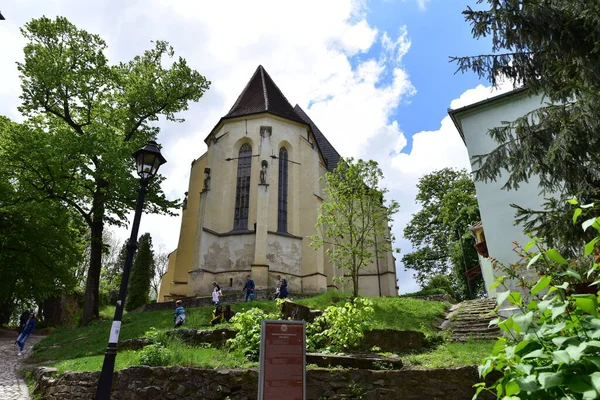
{"x": 552, "y": 348}
{"x": 340, "y": 327}
{"x": 549, "y": 48}
{"x": 439, "y": 231}
{"x": 141, "y": 274}
{"x": 248, "y": 325}
{"x": 354, "y": 220}
{"x": 84, "y": 118}
{"x": 155, "y": 355}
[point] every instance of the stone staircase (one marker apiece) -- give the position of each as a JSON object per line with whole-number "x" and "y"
{"x": 470, "y": 319}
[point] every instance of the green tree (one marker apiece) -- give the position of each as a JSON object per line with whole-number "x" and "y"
{"x": 138, "y": 290}
{"x": 440, "y": 230}
{"x": 551, "y": 49}
{"x": 41, "y": 242}
{"x": 353, "y": 215}
{"x": 84, "y": 119}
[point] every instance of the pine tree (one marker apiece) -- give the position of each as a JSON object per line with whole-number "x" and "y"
{"x": 552, "y": 49}
{"x": 138, "y": 290}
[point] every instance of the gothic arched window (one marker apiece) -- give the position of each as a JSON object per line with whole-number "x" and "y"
{"x": 242, "y": 192}
{"x": 282, "y": 191}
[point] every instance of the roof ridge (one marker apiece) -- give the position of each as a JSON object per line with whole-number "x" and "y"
{"x": 329, "y": 153}
{"x": 264, "y": 85}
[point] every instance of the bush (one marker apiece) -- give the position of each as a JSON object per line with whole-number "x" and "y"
{"x": 248, "y": 325}
{"x": 155, "y": 355}
{"x": 340, "y": 328}
{"x": 552, "y": 347}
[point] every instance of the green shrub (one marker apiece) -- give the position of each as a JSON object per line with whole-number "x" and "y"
{"x": 248, "y": 325}
{"x": 552, "y": 344}
{"x": 155, "y": 355}
{"x": 340, "y": 328}
{"x": 155, "y": 336}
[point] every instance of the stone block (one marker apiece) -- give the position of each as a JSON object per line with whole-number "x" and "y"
{"x": 391, "y": 340}
{"x": 360, "y": 361}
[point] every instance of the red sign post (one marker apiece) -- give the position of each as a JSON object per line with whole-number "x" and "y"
{"x": 282, "y": 373}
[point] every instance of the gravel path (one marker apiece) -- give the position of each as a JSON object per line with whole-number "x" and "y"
{"x": 12, "y": 385}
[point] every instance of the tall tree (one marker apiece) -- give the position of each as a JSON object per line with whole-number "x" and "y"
{"x": 161, "y": 263}
{"x": 138, "y": 290}
{"x": 84, "y": 119}
{"x": 353, "y": 215}
{"x": 550, "y": 48}
{"x": 439, "y": 231}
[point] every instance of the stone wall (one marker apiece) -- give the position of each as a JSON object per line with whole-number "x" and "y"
{"x": 227, "y": 298}
{"x": 167, "y": 383}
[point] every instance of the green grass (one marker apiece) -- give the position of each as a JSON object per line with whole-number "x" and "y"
{"x": 451, "y": 354}
{"x": 81, "y": 345}
{"x": 182, "y": 355}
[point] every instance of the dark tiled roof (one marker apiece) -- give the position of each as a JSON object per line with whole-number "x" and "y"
{"x": 331, "y": 156}
{"x": 261, "y": 94}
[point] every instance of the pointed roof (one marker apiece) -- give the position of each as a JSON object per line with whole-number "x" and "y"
{"x": 260, "y": 95}
{"x": 330, "y": 154}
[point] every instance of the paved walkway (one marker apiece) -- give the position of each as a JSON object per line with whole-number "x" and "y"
{"x": 12, "y": 385}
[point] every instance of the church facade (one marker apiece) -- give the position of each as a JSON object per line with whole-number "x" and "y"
{"x": 253, "y": 200}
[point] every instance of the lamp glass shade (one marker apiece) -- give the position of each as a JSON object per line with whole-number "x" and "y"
{"x": 148, "y": 160}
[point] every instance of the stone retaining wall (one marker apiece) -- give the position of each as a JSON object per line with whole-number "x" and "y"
{"x": 141, "y": 383}
{"x": 227, "y": 298}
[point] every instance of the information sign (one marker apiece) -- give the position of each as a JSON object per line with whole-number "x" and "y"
{"x": 282, "y": 371}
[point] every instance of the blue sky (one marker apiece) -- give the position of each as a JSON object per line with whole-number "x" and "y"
{"x": 374, "y": 76}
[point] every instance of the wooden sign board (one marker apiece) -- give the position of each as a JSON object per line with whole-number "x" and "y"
{"x": 282, "y": 373}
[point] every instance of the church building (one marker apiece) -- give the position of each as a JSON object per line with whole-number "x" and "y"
{"x": 253, "y": 201}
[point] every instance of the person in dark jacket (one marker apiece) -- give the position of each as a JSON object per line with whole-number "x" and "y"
{"x": 249, "y": 288}
{"x": 27, "y": 330}
{"x": 282, "y": 286}
{"x": 23, "y": 320}
{"x": 228, "y": 313}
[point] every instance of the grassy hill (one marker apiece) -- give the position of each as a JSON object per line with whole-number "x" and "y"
{"x": 82, "y": 349}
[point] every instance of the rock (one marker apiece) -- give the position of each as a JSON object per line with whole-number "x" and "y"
{"x": 392, "y": 340}
{"x": 295, "y": 312}
{"x": 216, "y": 337}
{"x": 133, "y": 344}
{"x": 361, "y": 361}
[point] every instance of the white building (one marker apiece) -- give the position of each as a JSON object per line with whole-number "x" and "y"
{"x": 497, "y": 232}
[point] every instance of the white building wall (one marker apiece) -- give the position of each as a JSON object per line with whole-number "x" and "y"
{"x": 494, "y": 203}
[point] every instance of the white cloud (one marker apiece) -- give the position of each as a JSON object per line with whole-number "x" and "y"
{"x": 422, "y": 4}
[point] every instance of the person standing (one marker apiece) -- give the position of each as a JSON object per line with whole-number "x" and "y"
{"x": 216, "y": 293}
{"x": 282, "y": 286}
{"x": 24, "y": 335}
{"x": 179, "y": 314}
{"x": 249, "y": 288}
{"x": 23, "y": 320}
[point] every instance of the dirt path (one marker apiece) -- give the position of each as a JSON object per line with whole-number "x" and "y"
{"x": 12, "y": 385}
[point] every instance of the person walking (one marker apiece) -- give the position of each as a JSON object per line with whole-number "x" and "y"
{"x": 24, "y": 335}
{"x": 179, "y": 314}
{"x": 23, "y": 320}
{"x": 216, "y": 293}
{"x": 249, "y": 288}
{"x": 282, "y": 287}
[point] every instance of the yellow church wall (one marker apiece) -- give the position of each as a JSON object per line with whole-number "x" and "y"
{"x": 186, "y": 244}
{"x": 167, "y": 279}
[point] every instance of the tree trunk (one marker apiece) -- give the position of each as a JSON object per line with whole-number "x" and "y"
{"x": 92, "y": 286}
{"x": 355, "y": 285}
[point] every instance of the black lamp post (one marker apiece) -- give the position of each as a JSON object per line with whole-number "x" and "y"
{"x": 148, "y": 159}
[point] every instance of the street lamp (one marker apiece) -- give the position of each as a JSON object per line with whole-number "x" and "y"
{"x": 148, "y": 159}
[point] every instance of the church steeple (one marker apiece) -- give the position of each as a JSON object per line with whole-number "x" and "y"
{"x": 260, "y": 95}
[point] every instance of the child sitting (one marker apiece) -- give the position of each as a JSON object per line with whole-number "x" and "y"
{"x": 179, "y": 314}
{"x": 217, "y": 316}
{"x": 228, "y": 313}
